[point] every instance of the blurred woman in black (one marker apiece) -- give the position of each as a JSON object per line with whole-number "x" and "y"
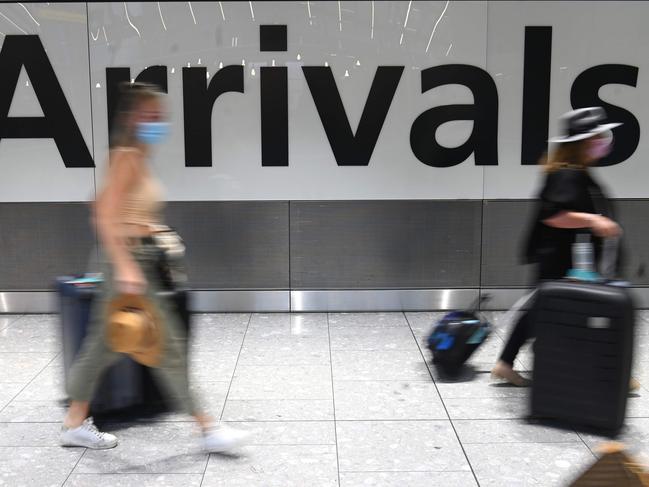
{"x": 571, "y": 202}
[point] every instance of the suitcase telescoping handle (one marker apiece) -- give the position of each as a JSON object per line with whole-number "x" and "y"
{"x": 583, "y": 260}
{"x": 610, "y": 245}
{"x": 519, "y": 305}
{"x": 608, "y": 259}
{"x": 606, "y": 269}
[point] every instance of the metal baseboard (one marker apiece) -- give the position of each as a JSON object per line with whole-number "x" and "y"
{"x": 203, "y": 301}
{"x": 240, "y": 301}
{"x": 502, "y": 299}
{"x": 18, "y": 302}
{"x": 382, "y": 300}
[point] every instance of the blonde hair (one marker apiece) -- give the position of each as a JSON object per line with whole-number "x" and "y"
{"x": 131, "y": 96}
{"x": 571, "y": 155}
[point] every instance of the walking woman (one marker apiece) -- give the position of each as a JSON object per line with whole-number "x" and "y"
{"x": 570, "y": 203}
{"x": 127, "y": 214}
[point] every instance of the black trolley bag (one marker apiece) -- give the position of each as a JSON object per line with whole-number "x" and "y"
{"x": 583, "y": 353}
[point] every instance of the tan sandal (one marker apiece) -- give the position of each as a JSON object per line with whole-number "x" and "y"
{"x": 503, "y": 371}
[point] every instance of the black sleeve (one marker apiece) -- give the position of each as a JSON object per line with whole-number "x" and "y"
{"x": 563, "y": 191}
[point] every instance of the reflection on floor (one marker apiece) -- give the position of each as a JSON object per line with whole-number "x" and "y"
{"x": 332, "y": 399}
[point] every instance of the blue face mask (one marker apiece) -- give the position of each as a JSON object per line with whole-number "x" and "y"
{"x": 152, "y": 132}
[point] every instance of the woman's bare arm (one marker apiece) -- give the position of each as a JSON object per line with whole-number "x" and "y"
{"x": 571, "y": 219}
{"x": 122, "y": 174}
{"x": 601, "y": 225}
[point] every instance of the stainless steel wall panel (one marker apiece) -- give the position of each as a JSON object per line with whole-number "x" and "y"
{"x": 385, "y": 244}
{"x": 505, "y": 224}
{"x": 504, "y": 229}
{"x": 234, "y": 245}
{"x": 39, "y": 241}
{"x": 342, "y": 246}
{"x": 633, "y": 215}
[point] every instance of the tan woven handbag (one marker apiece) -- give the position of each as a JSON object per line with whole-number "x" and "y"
{"x": 614, "y": 468}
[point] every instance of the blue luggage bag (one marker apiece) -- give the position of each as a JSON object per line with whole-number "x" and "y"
{"x": 457, "y": 336}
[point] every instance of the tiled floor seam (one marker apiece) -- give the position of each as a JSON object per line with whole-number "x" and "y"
{"x": 28, "y": 422}
{"x": 280, "y": 421}
{"x": 207, "y": 464}
{"x": 399, "y": 420}
{"x": 290, "y": 444}
{"x": 227, "y": 394}
{"x": 12, "y": 322}
{"x": 333, "y": 399}
{"x": 365, "y": 350}
{"x": 234, "y": 371}
{"x": 590, "y": 449}
{"x": 423, "y": 356}
{"x": 405, "y": 471}
{"x": 148, "y": 421}
{"x": 573, "y": 442}
{"x": 30, "y": 381}
{"x": 418, "y": 379}
{"x": 74, "y": 468}
{"x": 95, "y": 474}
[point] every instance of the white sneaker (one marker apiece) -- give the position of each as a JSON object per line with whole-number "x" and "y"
{"x": 87, "y": 435}
{"x": 223, "y": 438}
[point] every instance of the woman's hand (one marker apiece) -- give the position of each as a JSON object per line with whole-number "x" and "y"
{"x": 605, "y": 227}
{"x": 129, "y": 279}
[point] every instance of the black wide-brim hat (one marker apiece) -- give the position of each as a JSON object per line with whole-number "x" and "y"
{"x": 583, "y": 123}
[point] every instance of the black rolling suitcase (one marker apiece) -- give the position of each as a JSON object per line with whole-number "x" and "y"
{"x": 126, "y": 384}
{"x": 583, "y": 353}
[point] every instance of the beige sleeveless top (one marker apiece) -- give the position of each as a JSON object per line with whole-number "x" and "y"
{"x": 143, "y": 203}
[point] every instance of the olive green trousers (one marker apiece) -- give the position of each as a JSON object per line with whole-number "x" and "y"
{"x": 95, "y": 357}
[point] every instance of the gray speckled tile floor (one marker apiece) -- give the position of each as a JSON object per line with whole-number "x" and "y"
{"x": 347, "y": 399}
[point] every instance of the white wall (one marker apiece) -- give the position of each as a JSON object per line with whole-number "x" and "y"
{"x": 489, "y": 35}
